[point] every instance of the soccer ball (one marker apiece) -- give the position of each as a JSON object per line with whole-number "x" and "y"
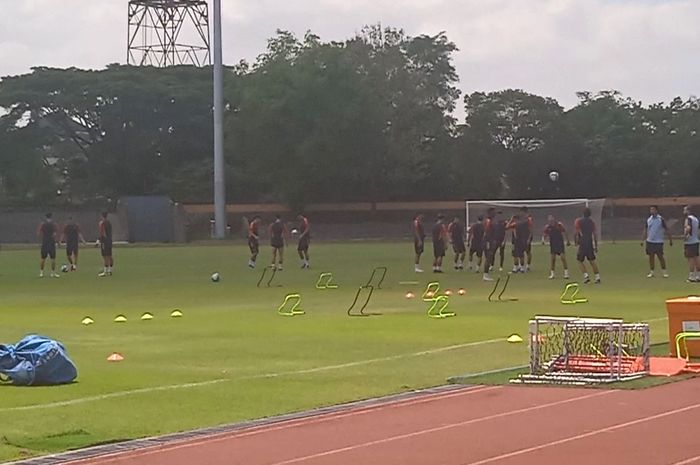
{"x": 215, "y": 277}
{"x": 554, "y": 176}
{"x": 64, "y": 268}
{"x": 295, "y": 231}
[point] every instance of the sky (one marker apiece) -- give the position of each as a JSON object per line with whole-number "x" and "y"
{"x": 647, "y": 49}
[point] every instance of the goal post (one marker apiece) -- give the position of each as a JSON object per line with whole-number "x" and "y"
{"x": 575, "y": 350}
{"x": 565, "y": 210}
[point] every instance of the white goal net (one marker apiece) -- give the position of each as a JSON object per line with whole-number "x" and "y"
{"x": 564, "y": 210}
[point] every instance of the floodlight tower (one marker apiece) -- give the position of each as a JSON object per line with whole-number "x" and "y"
{"x": 168, "y": 32}
{"x": 163, "y": 25}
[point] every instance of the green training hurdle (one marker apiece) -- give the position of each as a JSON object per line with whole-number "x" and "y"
{"x": 362, "y": 312}
{"x": 383, "y": 270}
{"x": 500, "y": 294}
{"x": 272, "y": 276}
{"x": 682, "y": 338}
{"x": 431, "y": 291}
{"x": 325, "y": 281}
{"x": 573, "y": 298}
{"x": 438, "y": 308}
{"x": 294, "y": 310}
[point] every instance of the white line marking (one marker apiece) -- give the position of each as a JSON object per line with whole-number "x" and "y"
{"x": 687, "y": 461}
{"x": 112, "y": 395}
{"x": 292, "y": 423}
{"x": 441, "y": 428}
{"x": 490, "y": 372}
{"x": 586, "y": 435}
{"x": 374, "y": 360}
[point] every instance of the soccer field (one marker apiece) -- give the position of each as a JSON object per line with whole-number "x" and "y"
{"x": 232, "y": 357}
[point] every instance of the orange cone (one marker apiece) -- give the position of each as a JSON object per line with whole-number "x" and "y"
{"x": 115, "y": 357}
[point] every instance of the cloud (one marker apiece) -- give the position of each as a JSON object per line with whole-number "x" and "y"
{"x": 648, "y": 49}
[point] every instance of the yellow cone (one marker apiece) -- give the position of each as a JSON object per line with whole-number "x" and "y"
{"x": 514, "y": 339}
{"x": 147, "y": 316}
{"x": 176, "y": 313}
{"x": 87, "y": 321}
{"x": 120, "y": 319}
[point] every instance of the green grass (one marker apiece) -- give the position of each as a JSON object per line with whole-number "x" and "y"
{"x": 262, "y": 364}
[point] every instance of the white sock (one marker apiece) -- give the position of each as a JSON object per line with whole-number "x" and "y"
{"x": 585, "y": 275}
{"x": 597, "y": 276}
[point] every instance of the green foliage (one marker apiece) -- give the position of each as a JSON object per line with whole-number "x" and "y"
{"x": 367, "y": 119}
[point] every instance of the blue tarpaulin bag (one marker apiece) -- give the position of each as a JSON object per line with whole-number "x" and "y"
{"x": 36, "y": 361}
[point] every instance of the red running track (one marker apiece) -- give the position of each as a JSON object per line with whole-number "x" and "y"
{"x": 471, "y": 426}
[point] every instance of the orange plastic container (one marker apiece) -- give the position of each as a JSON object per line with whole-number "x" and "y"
{"x": 683, "y": 316}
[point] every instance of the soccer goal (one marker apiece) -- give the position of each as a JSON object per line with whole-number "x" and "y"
{"x": 565, "y": 210}
{"x": 580, "y": 351}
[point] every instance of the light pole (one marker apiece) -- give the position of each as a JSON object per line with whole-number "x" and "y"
{"x": 219, "y": 177}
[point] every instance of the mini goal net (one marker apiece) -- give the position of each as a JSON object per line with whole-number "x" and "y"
{"x": 564, "y": 210}
{"x": 580, "y": 351}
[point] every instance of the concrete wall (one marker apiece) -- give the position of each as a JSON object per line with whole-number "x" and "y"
{"x": 20, "y": 227}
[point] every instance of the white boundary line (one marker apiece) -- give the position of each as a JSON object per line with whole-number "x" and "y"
{"x": 118, "y": 394}
{"x": 586, "y": 435}
{"x": 687, "y": 461}
{"x": 375, "y": 360}
{"x": 292, "y": 423}
{"x": 441, "y": 428}
{"x": 111, "y": 395}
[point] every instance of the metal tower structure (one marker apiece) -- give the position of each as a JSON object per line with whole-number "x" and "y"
{"x": 168, "y": 32}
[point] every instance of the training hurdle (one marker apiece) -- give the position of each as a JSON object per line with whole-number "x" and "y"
{"x": 325, "y": 281}
{"x": 572, "y": 299}
{"x": 438, "y": 303}
{"x": 383, "y": 271}
{"x": 294, "y": 310}
{"x": 500, "y": 294}
{"x": 272, "y": 276}
{"x": 438, "y": 308}
{"x": 362, "y": 312}
{"x": 682, "y": 339}
{"x": 431, "y": 291}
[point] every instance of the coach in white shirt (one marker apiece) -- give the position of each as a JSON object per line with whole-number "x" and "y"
{"x": 653, "y": 238}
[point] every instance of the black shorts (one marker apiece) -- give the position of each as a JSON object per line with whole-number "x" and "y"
{"x": 277, "y": 243}
{"x": 459, "y": 247}
{"x": 519, "y": 249}
{"x": 48, "y": 250}
{"x": 691, "y": 250}
{"x": 439, "y": 249}
{"x": 304, "y": 244}
{"x": 556, "y": 248}
{"x": 655, "y": 248}
{"x": 418, "y": 246}
{"x": 585, "y": 252}
{"x": 106, "y": 248}
{"x": 477, "y": 249}
{"x": 253, "y": 245}
{"x": 71, "y": 249}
